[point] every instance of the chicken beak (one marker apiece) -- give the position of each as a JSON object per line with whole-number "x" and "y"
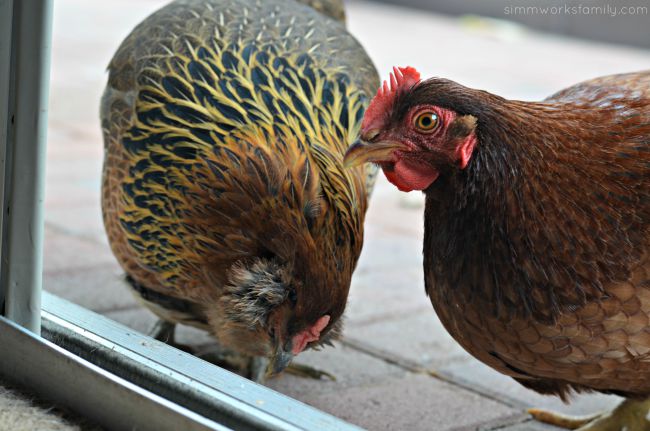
{"x": 280, "y": 360}
{"x": 364, "y": 152}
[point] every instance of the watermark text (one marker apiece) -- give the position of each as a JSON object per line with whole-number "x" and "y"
{"x": 571, "y": 9}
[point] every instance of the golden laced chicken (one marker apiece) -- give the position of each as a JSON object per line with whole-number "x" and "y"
{"x": 224, "y": 198}
{"x": 537, "y": 227}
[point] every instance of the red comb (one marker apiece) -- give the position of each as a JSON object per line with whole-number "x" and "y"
{"x": 402, "y": 78}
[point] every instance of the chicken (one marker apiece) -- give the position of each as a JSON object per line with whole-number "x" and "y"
{"x": 536, "y": 244}
{"x": 225, "y": 199}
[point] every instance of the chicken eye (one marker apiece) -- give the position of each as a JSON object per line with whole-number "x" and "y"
{"x": 293, "y": 297}
{"x": 427, "y": 121}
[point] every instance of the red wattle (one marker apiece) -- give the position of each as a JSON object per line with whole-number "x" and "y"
{"x": 300, "y": 340}
{"x": 409, "y": 175}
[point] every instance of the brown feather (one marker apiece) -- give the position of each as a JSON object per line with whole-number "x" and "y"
{"x": 224, "y": 128}
{"x": 537, "y": 254}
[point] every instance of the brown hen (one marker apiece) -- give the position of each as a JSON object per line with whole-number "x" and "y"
{"x": 537, "y": 226}
{"x": 224, "y": 194}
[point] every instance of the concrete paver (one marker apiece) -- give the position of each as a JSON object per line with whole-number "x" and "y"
{"x": 481, "y": 378}
{"x": 418, "y": 337}
{"x": 100, "y": 288}
{"x": 413, "y": 402}
{"x": 83, "y": 221}
{"x": 350, "y": 367}
{"x": 530, "y": 425}
{"x": 64, "y": 250}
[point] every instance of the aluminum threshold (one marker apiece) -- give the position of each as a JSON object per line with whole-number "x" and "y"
{"x": 126, "y": 380}
{"x": 56, "y": 374}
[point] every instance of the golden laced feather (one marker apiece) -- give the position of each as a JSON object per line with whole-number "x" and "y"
{"x": 234, "y": 141}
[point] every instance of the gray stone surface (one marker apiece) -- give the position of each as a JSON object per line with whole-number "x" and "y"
{"x": 350, "y": 367}
{"x": 481, "y": 378}
{"x": 412, "y": 402}
{"x": 528, "y": 425}
{"x": 86, "y": 221}
{"x": 64, "y": 251}
{"x": 385, "y": 293}
{"x": 418, "y": 337}
{"x": 108, "y": 289}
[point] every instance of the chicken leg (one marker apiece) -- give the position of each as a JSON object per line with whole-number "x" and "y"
{"x": 163, "y": 330}
{"x": 630, "y": 415}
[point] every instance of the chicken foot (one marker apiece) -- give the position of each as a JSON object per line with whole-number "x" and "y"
{"x": 308, "y": 372}
{"x": 630, "y": 415}
{"x": 259, "y": 372}
{"x": 256, "y": 366}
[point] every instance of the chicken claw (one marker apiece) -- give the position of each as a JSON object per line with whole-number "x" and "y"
{"x": 258, "y": 371}
{"x": 630, "y": 415}
{"x": 256, "y": 366}
{"x": 306, "y": 371}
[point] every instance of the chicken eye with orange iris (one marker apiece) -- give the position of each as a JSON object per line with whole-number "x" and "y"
{"x": 426, "y": 121}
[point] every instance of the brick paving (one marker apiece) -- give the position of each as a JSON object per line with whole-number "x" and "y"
{"x": 396, "y": 368}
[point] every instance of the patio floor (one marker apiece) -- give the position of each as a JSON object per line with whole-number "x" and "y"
{"x": 396, "y": 367}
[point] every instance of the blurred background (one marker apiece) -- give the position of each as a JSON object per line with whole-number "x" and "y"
{"x": 396, "y": 367}
{"x": 616, "y": 21}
